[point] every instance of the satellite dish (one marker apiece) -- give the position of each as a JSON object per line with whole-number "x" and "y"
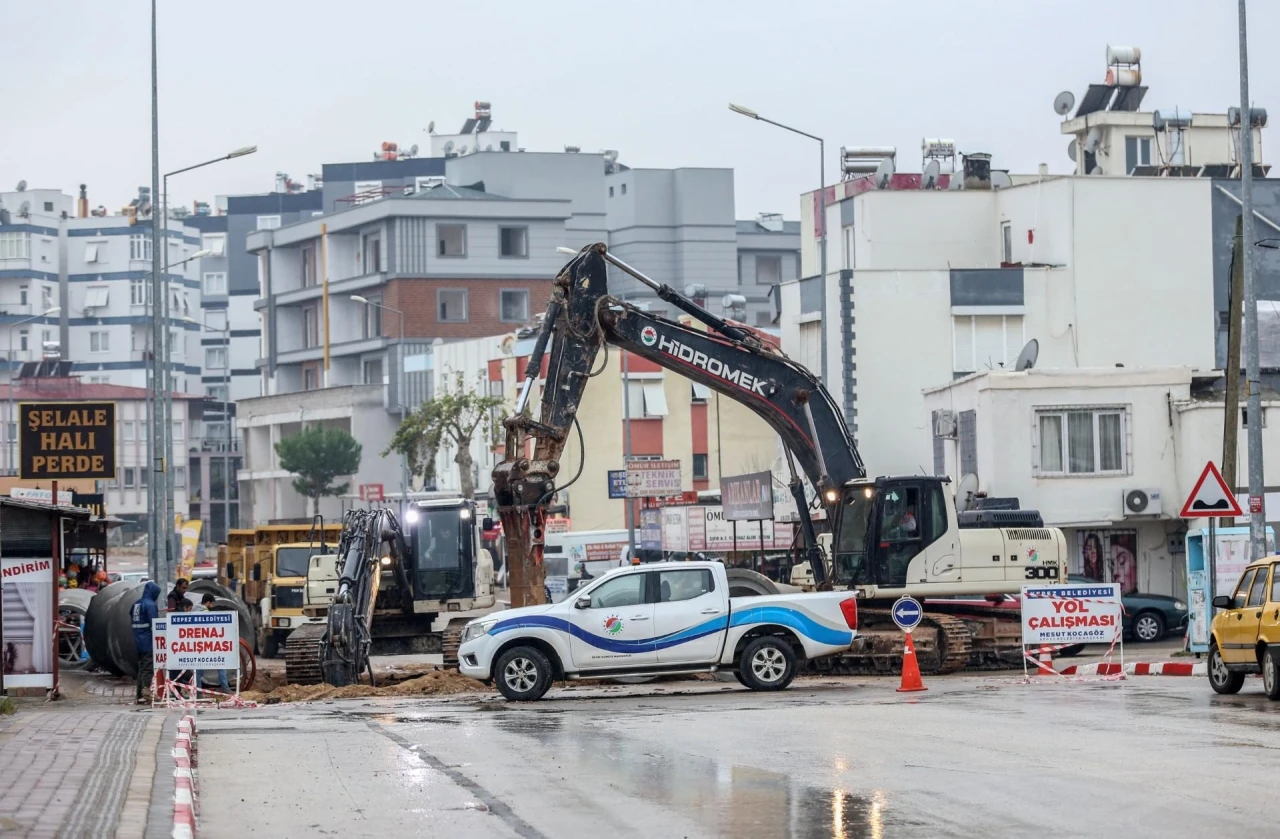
{"x": 24, "y": 211}
{"x": 965, "y": 491}
{"x": 1027, "y": 358}
{"x": 1092, "y": 139}
{"x": 489, "y": 147}
{"x": 22, "y": 186}
{"x": 448, "y": 147}
{"x": 884, "y": 172}
{"x": 1073, "y": 149}
{"x": 431, "y": 127}
{"x": 1000, "y": 180}
{"x": 1157, "y": 121}
{"x": 463, "y": 150}
{"x": 1063, "y": 103}
{"x": 413, "y": 150}
{"x": 4, "y": 216}
{"x": 1096, "y": 170}
{"x": 929, "y": 180}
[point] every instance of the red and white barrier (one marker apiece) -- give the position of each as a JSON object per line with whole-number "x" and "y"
{"x": 1140, "y": 668}
{"x": 184, "y": 780}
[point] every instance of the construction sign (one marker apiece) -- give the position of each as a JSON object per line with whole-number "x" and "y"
{"x": 1211, "y": 499}
{"x": 67, "y": 440}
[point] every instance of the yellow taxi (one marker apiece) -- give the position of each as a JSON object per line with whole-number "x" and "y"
{"x": 1246, "y": 633}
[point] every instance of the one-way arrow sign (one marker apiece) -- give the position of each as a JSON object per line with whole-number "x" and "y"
{"x": 907, "y": 613}
{"x": 1211, "y": 498}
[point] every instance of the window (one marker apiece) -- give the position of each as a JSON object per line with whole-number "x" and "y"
{"x": 451, "y": 240}
{"x": 701, "y": 393}
{"x": 848, "y": 248}
{"x": 1006, "y": 240}
{"x": 371, "y": 251}
{"x": 371, "y": 325}
{"x": 100, "y": 341}
{"x": 215, "y": 431}
{"x": 215, "y": 319}
{"x": 309, "y": 378}
{"x": 372, "y": 371}
{"x": 91, "y": 251}
{"x": 22, "y": 292}
{"x": 309, "y": 266}
{"x": 610, "y": 192}
{"x": 985, "y": 342}
{"x": 624, "y": 189}
{"x": 130, "y": 477}
{"x": 699, "y": 467}
{"x": 140, "y": 246}
{"x": 46, "y": 296}
{"x": 268, "y": 222}
{"x": 95, "y": 296}
{"x": 310, "y": 327}
{"x": 179, "y": 477}
{"x": 15, "y": 245}
{"x": 1244, "y": 417}
{"x": 139, "y": 292}
{"x": 215, "y": 242}
{"x": 23, "y": 340}
{"x": 1258, "y": 591}
{"x": 179, "y": 431}
{"x": 1137, "y": 152}
{"x": 215, "y": 282}
{"x": 1081, "y": 441}
{"x": 451, "y": 305}
{"x": 1275, "y": 583}
{"x": 176, "y": 343}
{"x": 646, "y": 398}
{"x": 46, "y": 337}
{"x": 513, "y": 242}
{"x": 48, "y": 206}
{"x": 674, "y": 586}
{"x": 218, "y": 393}
{"x": 142, "y": 477}
{"x": 514, "y": 305}
{"x": 624, "y": 591}
{"x": 768, "y": 270}
{"x": 126, "y": 430}
{"x": 215, "y": 358}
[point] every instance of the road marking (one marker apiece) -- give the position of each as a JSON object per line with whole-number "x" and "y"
{"x": 496, "y": 805}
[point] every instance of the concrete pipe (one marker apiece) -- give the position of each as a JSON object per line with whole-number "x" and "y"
{"x": 120, "y": 644}
{"x": 95, "y": 626}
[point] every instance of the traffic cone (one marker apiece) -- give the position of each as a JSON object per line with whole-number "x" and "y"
{"x": 1045, "y": 659}
{"x": 910, "y": 668}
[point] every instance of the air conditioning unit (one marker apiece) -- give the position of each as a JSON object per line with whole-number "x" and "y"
{"x": 1141, "y": 502}
{"x": 944, "y": 424}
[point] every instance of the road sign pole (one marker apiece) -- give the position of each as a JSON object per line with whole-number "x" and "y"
{"x": 1213, "y": 565}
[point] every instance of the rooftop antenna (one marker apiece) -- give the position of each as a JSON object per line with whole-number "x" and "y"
{"x": 1027, "y": 358}
{"x": 1063, "y": 103}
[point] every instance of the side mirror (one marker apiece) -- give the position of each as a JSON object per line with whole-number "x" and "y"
{"x": 1223, "y": 601}
{"x": 583, "y": 602}
{"x": 486, "y": 523}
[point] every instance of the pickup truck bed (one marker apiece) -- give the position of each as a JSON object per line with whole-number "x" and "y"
{"x": 656, "y": 619}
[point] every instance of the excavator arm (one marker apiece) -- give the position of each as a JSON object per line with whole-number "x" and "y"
{"x": 729, "y": 358}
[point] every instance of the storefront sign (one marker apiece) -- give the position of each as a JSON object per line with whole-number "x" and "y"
{"x": 558, "y": 525}
{"x": 648, "y": 478}
{"x": 202, "y": 641}
{"x": 650, "y": 530}
{"x": 45, "y": 496}
{"x": 67, "y": 440}
{"x": 747, "y": 497}
{"x": 28, "y": 622}
{"x": 1080, "y": 614}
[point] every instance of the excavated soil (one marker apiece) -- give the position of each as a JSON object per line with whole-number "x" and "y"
{"x": 431, "y": 683}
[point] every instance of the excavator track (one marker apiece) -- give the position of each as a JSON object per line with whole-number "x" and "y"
{"x": 302, "y": 655}
{"x": 943, "y": 645}
{"x": 451, "y": 640}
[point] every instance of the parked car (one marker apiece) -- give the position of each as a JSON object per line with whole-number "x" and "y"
{"x": 1246, "y": 633}
{"x": 660, "y": 618}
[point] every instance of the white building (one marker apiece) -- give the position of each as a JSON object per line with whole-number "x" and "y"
{"x": 1076, "y": 444}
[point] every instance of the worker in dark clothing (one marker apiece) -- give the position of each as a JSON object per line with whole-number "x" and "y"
{"x": 178, "y": 594}
{"x": 144, "y": 610}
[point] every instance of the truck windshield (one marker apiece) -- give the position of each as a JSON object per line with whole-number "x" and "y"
{"x": 851, "y": 564}
{"x": 293, "y": 562}
{"x": 440, "y": 567}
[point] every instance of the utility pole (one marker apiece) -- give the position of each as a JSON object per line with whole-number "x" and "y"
{"x": 1231, "y": 398}
{"x": 626, "y": 452}
{"x": 155, "y": 488}
{"x": 1257, "y": 517}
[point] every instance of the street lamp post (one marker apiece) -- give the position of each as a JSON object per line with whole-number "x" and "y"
{"x": 404, "y": 460}
{"x": 846, "y": 377}
{"x": 12, "y": 428}
{"x": 164, "y": 373}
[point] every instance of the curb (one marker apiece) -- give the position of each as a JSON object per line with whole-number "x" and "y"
{"x": 1141, "y": 668}
{"x": 184, "y": 779}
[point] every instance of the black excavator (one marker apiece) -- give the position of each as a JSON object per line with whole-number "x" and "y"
{"x": 884, "y": 537}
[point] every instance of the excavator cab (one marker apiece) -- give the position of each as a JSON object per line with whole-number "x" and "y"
{"x": 885, "y": 524}
{"x": 442, "y": 544}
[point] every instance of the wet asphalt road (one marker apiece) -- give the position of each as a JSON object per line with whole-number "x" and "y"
{"x": 839, "y": 758}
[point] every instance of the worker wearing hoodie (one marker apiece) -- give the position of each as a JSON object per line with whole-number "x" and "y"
{"x": 143, "y": 611}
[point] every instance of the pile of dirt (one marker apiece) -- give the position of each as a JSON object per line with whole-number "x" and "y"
{"x": 431, "y": 683}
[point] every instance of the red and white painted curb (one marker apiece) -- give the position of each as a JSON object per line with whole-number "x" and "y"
{"x": 184, "y": 780}
{"x": 1138, "y": 668}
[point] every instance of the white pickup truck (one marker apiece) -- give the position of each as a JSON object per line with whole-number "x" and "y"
{"x": 656, "y": 619}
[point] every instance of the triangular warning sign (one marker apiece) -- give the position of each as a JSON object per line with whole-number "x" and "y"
{"x": 1211, "y": 498}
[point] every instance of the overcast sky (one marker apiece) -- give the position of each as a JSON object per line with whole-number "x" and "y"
{"x": 319, "y": 81}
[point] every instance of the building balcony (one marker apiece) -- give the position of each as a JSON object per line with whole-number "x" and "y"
{"x": 365, "y": 345}
{"x": 214, "y": 444}
{"x": 337, "y": 288}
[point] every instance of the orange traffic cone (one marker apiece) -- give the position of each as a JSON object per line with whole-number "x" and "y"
{"x": 1045, "y": 665}
{"x": 910, "y": 668}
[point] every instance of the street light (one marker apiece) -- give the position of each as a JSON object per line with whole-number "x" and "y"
{"x": 162, "y": 377}
{"x": 11, "y": 430}
{"x": 404, "y": 461}
{"x": 822, "y": 254}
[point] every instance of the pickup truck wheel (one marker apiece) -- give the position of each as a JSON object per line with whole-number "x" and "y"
{"x": 1221, "y": 679}
{"x": 522, "y": 674}
{"x": 768, "y": 663}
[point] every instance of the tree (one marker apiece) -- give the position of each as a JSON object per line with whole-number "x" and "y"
{"x": 317, "y": 456}
{"x": 449, "y": 421}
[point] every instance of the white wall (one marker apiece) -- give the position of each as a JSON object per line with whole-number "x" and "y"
{"x": 471, "y": 360}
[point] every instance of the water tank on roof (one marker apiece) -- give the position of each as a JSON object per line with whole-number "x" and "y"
{"x": 1123, "y": 55}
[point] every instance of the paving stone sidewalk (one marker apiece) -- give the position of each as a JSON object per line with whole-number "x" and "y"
{"x": 66, "y": 771}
